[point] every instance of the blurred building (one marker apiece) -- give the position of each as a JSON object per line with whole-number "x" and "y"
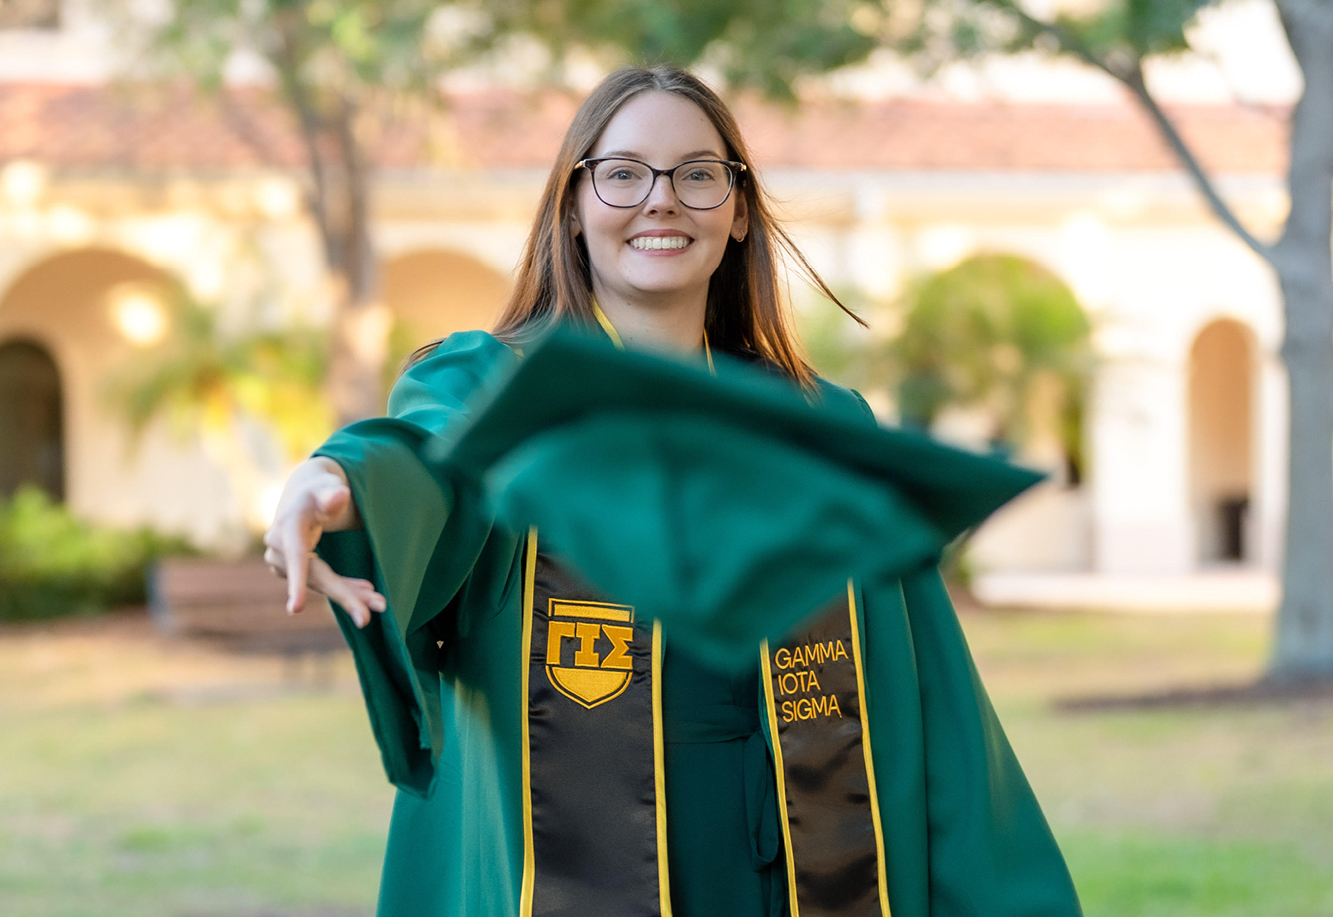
{"x": 104, "y": 191}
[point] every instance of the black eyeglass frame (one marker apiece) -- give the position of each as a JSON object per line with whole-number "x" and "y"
{"x": 734, "y": 170}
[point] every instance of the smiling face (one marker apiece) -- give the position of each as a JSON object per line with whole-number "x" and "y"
{"x": 660, "y": 251}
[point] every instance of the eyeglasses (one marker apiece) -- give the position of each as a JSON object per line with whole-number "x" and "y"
{"x": 704, "y": 184}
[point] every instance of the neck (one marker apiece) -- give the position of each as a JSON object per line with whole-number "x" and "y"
{"x": 676, "y": 324}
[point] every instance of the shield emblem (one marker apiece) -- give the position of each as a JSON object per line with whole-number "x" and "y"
{"x": 588, "y": 650}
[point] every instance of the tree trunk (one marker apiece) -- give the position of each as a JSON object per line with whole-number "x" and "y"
{"x": 1304, "y": 640}
{"x": 361, "y": 321}
{"x": 359, "y": 349}
{"x": 339, "y": 201}
{"x": 1304, "y": 262}
{"x": 341, "y": 206}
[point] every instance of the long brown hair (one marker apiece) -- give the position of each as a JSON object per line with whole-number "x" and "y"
{"x": 746, "y": 310}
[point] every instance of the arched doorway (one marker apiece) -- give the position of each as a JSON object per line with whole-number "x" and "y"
{"x": 435, "y": 293}
{"x": 60, "y": 309}
{"x": 32, "y": 449}
{"x": 1221, "y": 418}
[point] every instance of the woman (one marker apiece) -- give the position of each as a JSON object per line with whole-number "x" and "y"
{"x": 548, "y": 794}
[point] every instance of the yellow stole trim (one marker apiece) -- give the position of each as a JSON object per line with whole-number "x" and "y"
{"x": 529, "y": 855}
{"x": 779, "y": 774}
{"x": 659, "y": 776}
{"x": 865, "y": 747}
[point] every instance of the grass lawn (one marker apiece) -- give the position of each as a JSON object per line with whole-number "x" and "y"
{"x": 1222, "y": 811}
{"x": 140, "y": 777}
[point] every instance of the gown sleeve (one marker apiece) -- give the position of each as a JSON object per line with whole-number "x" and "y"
{"x": 423, "y": 528}
{"x": 990, "y": 849}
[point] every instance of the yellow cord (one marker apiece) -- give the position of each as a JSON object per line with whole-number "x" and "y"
{"x": 614, "y": 335}
{"x": 609, "y": 328}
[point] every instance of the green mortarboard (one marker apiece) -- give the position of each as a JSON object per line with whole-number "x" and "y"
{"x": 707, "y": 498}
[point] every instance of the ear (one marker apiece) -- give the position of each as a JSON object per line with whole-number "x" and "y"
{"x": 575, "y": 227}
{"x": 740, "y": 224}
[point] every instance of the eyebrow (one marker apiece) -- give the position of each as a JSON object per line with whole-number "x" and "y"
{"x": 634, "y": 154}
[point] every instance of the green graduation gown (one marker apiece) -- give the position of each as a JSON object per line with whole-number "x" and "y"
{"x": 963, "y": 834}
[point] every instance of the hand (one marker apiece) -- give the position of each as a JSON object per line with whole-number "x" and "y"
{"x": 316, "y": 500}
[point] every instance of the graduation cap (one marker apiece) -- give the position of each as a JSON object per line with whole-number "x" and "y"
{"x": 716, "y": 502}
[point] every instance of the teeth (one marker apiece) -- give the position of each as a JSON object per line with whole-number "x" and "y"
{"x": 650, "y": 243}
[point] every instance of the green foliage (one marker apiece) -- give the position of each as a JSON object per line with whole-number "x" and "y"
{"x": 840, "y": 349}
{"x": 404, "y": 340}
{"x": 52, "y": 564}
{"x": 330, "y": 53}
{"x": 1114, "y": 35}
{"x": 337, "y": 45}
{"x": 762, "y": 44}
{"x": 1140, "y": 27}
{"x": 205, "y": 378}
{"x": 989, "y": 332}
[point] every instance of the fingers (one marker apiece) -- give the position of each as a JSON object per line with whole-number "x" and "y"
{"x": 297, "y": 563}
{"x": 356, "y": 596}
{"x": 277, "y": 564}
{"x": 287, "y": 557}
{"x": 310, "y": 500}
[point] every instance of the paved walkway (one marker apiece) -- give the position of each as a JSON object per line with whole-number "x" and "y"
{"x": 1213, "y": 590}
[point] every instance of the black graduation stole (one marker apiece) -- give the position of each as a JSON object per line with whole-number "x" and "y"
{"x": 814, "y": 693}
{"x": 594, "y": 812}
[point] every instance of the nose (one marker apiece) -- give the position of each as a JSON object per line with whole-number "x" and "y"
{"x": 661, "y": 196}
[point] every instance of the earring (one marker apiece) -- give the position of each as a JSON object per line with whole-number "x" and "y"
{"x": 739, "y": 238}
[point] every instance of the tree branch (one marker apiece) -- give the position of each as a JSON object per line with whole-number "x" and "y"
{"x": 1130, "y": 73}
{"x": 1202, "y": 181}
{"x": 245, "y": 128}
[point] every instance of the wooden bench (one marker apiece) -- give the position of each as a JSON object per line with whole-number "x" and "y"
{"x": 240, "y": 604}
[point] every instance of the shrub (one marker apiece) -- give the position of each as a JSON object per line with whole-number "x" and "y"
{"x": 52, "y": 564}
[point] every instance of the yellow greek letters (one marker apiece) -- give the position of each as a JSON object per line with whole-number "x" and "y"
{"x": 555, "y": 632}
{"x": 587, "y": 652}
{"x": 587, "y": 633}
{"x": 620, "y": 637}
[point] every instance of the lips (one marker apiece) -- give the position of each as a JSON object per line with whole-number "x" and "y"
{"x": 659, "y": 243}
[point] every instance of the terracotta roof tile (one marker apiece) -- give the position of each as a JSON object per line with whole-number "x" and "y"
{"x": 995, "y": 136}
{"x": 113, "y": 127}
